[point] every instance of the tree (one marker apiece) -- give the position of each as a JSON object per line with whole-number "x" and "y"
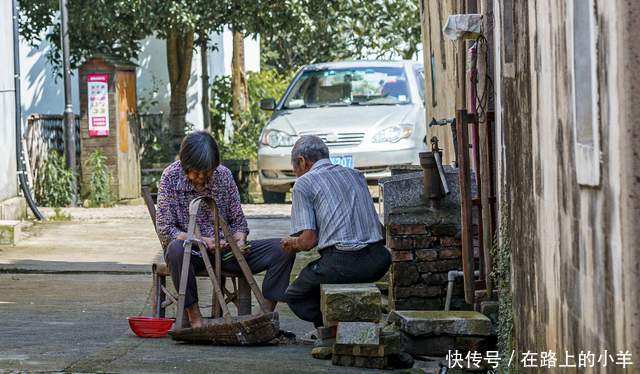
{"x": 342, "y": 29}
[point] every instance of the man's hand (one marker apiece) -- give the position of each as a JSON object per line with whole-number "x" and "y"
{"x": 289, "y": 245}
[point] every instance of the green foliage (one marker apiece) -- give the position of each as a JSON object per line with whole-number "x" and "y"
{"x": 100, "y": 182}
{"x": 344, "y": 29}
{"x": 501, "y": 275}
{"x": 53, "y": 188}
{"x": 247, "y": 128}
{"x": 106, "y": 27}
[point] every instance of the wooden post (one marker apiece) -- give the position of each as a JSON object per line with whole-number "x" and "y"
{"x": 465, "y": 205}
{"x": 462, "y": 134}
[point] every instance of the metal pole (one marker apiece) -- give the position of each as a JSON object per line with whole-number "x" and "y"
{"x": 69, "y": 120}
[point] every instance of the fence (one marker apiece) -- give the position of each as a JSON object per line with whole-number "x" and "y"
{"x": 45, "y": 132}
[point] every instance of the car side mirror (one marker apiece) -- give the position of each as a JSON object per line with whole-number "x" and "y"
{"x": 268, "y": 104}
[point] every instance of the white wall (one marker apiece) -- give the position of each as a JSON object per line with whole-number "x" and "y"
{"x": 43, "y": 91}
{"x": 8, "y": 181}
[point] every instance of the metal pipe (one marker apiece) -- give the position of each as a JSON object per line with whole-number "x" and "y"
{"x": 452, "y": 275}
{"x": 69, "y": 125}
{"x": 18, "y": 117}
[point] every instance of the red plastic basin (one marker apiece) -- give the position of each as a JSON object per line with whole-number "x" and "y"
{"x": 149, "y": 327}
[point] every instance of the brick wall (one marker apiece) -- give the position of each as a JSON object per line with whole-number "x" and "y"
{"x": 422, "y": 256}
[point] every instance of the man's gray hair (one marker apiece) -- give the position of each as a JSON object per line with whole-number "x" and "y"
{"x": 311, "y": 147}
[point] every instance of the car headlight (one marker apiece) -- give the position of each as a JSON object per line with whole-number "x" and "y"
{"x": 393, "y": 134}
{"x": 275, "y": 138}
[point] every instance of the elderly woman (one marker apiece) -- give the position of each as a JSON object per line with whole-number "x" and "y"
{"x": 198, "y": 173}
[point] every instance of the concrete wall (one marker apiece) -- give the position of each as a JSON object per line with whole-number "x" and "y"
{"x": 575, "y": 266}
{"x": 8, "y": 180}
{"x": 43, "y": 91}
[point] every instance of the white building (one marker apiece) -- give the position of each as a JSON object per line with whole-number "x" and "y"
{"x": 42, "y": 91}
{"x": 12, "y": 206}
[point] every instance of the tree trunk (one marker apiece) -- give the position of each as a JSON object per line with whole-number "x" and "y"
{"x": 239, "y": 90}
{"x": 206, "y": 116}
{"x": 179, "y": 55}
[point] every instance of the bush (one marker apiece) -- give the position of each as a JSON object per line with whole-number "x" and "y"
{"x": 100, "y": 182}
{"x": 247, "y": 128}
{"x": 53, "y": 188}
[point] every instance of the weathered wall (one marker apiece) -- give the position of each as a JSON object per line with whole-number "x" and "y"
{"x": 8, "y": 180}
{"x": 439, "y": 56}
{"x": 574, "y": 255}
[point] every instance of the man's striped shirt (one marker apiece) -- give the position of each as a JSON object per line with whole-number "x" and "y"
{"x": 335, "y": 201}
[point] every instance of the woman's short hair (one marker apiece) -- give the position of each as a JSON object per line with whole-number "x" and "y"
{"x": 199, "y": 151}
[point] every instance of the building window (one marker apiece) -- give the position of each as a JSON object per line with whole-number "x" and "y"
{"x": 585, "y": 92}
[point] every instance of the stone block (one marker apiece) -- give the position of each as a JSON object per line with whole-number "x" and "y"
{"x": 426, "y": 254}
{"x": 434, "y": 278}
{"x": 490, "y": 309}
{"x": 359, "y": 333}
{"x": 440, "y": 345}
{"x": 390, "y": 344}
{"x": 445, "y": 229}
{"x": 450, "y": 252}
{"x": 404, "y": 274}
{"x": 418, "y": 303}
{"x": 450, "y": 242}
{"x": 322, "y": 353}
{"x": 440, "y": 266}
{"x": 400, "y": 242}
{"x": 14, "y": 208}
{"x": 401, "y": 256}
{"x": 350, "y": 303}
{"x": 359, "y": 361}
{"x": 425, "y": 241}
{"x": 417, "y": 229}
{"x": 425, "y": 323}
{"x": 9, "y": 232}
{"x": 327, "y": 332}
{"x": 418, "y": 290}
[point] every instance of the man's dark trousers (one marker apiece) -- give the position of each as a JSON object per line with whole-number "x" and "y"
{"x": 368, "y": 264}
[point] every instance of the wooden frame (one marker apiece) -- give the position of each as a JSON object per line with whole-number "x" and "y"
{"x": 161, "y": 297}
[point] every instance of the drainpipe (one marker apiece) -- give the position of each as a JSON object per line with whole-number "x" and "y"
{"x": 19, "y": 160}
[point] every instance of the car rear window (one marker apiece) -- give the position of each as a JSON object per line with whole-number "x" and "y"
{"x": 352, "y": 86}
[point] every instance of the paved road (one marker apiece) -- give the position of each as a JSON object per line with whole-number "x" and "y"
{"x": 67, "y": 288}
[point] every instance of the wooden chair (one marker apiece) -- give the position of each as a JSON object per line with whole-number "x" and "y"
{"x": 162, "y": 297}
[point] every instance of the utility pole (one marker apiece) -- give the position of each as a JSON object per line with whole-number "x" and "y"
{"x": 69, "y": 120}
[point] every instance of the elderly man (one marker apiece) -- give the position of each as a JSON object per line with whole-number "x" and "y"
{"x": 332, "y": 209}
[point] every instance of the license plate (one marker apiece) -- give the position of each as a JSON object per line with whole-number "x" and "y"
{"x": 346, "y": 161}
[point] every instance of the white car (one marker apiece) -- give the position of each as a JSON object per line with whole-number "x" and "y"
{"x": 369, "y": 113}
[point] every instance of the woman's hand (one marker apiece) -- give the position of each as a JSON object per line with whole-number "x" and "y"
{"x": 211, "y": 244}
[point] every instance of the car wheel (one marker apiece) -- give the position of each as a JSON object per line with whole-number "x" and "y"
{"x": 272, "y": 197}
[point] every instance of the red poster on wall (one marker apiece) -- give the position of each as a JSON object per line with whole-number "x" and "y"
{"x": 98, "y": 96}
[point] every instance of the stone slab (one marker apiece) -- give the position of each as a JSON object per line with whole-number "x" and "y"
{"x": 360, "y": 302}
{"x": 14, "y": 208}
{"x": 425, "y": 323}
{"x": 362, "y": 333}
{"x": 440, "y": 345}
{"x": 9, "y": 232}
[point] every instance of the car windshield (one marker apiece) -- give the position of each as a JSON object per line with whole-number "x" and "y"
{"x": 351, "y": 86}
